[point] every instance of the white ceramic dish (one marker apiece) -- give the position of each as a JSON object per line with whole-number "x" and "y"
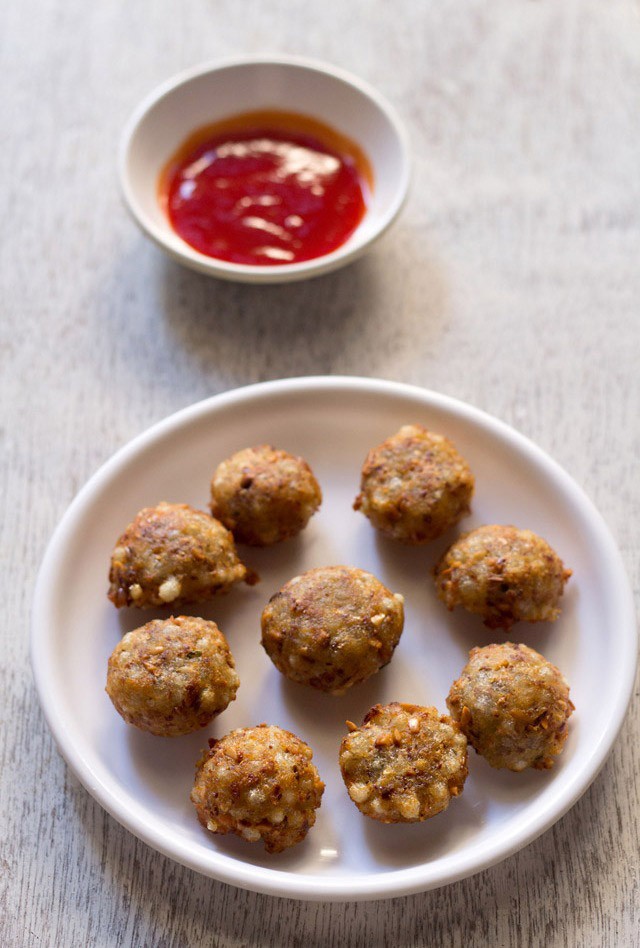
{"x": 211, "y": 92}
{"x": 144, "y": 781}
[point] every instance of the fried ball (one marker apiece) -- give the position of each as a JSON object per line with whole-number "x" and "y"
{"x": 172, "y": 676}
{"x": 415, "y": 486}
{"x": 513, "y": 705}
{"x": 264, "y": 495}
{"x": 173, "y": 554}
{"x": 503, "y": 574}
{"x": 404, "y": 764}
{"x": 259, "y": 783}
{"x": 332, "y": 627}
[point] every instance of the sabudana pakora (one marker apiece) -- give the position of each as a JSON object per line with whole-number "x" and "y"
{"x": 172, "y": 676}
{"x": 513, "y": 706}
{"x": 415, "y": 486}
{"x": 332, "y": 627}
{"x": 173, "y": 554}
{"x": 260, "y": 784}
{"x": 502, "y": 574}
{"x": 404, "y": 764}
{"x": 264, "y": 495}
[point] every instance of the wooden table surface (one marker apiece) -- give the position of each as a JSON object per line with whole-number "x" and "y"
{"x": 512, "y": 281}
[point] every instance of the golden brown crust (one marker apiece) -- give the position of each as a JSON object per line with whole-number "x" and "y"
{"x": 173, "y": 554}
{"x": 260, "y": 784}
{"x": 172, "y": 676}
{"x": 264, "y": 495}
{"x": 415, "y": 485}
{"x": 332, "y": 627}
{"x": 404, "y": 764}
{"x": 502, "y": 574}
{"x": 513, "y": 705}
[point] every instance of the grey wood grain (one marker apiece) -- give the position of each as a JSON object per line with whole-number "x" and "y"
{"x": 511, "y": 281}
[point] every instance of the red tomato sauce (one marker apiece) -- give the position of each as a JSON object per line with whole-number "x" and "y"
{"x": 266, "y": 188}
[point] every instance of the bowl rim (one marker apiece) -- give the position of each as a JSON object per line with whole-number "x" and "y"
{"x": 249, "y": 273}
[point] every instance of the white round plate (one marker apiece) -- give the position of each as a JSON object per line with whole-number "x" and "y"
{"x": 144, "y": 781}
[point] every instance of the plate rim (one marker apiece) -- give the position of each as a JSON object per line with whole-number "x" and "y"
{"x": 277, "y": 882}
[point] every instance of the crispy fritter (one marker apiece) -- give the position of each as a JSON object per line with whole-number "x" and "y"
{"x": 404, "y": 764}
{"x": 172, "y": 676}
{"x": 415, "y": 486}
{"x": 504, "y": 575}
{"x": 173, "y": 554}
{"x": 264, "y": 495}
{"x": 332, "y": 627}
{"x": 260, "y": 784}
{"x": 513, "y": 705}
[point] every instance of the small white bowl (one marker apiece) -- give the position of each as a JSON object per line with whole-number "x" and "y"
{"x": 211, "y": 92}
